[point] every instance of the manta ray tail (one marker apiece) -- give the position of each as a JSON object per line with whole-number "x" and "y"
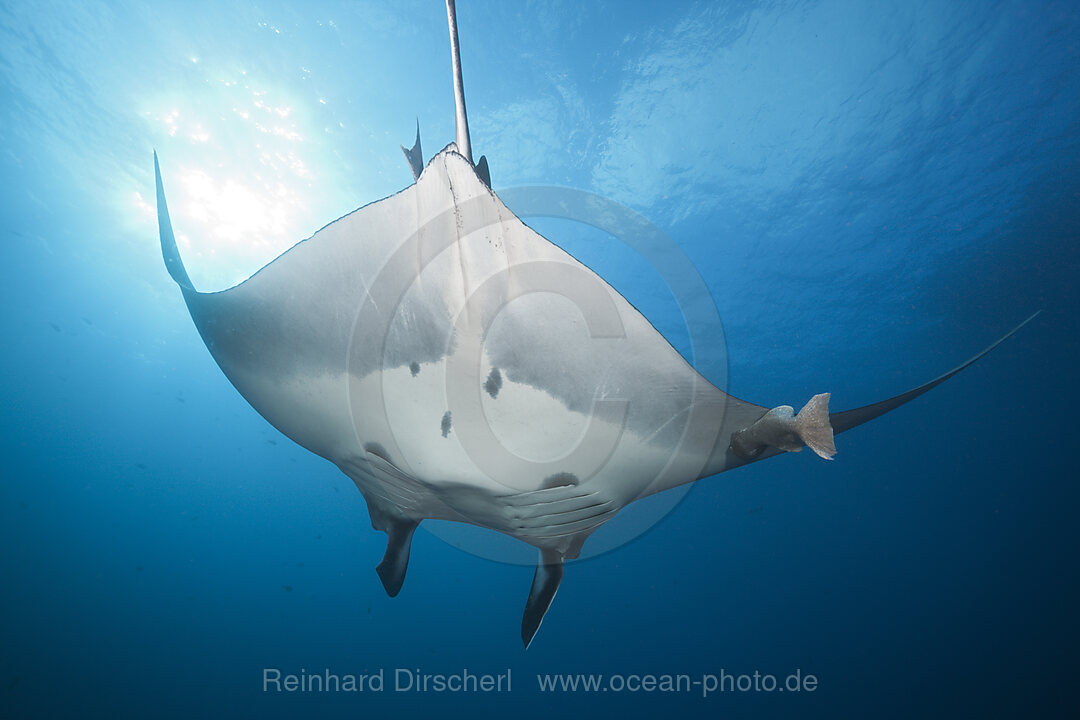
{"x": 169, "y": 251}
{"x": 460, "y": 115}
{"x": 549, "y": 573}
{"x": 415, "y": 157}
{"x": 812, "y": 426}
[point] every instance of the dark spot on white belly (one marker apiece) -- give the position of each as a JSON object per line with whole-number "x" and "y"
{"x": 414, "y": 368}
{"x": 493, "y": 383}
{"x": 446, "y": 424}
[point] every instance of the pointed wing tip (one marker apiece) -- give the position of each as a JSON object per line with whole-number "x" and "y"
{"x": 997, "y": 342}
{"x": 159, "y": 187}
{"x": 847, "y": 419}
{"x": 162, "y": 207}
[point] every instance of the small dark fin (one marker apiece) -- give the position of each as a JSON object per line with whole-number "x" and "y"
{"x": 482, "y": 170}
{"x": 415, "y": 157}
{"x": 173, "y": 263}
{"x": 848, "y": 419}
{"x": 549, "y": 572}
{"x": 396, "y": 560}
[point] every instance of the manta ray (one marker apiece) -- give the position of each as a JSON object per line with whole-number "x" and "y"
{"x": 456, "y": 365}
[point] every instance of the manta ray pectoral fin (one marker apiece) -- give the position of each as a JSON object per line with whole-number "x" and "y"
{"x": 848, "y": 419}
{"x": 415, "y": 156}
{"x": 173, "y": 263}
{"x": 781, "y": 428}
{"x": 396, "y": 560}
{"x": 546, "y": 579}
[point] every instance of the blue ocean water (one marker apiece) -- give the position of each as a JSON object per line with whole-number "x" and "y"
{"x": 872, "y": 192}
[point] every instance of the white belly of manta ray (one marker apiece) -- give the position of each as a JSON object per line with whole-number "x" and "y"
{"x": 456, "y": 365}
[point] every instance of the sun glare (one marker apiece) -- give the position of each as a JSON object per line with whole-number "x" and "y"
{"x": 238, "y": 182}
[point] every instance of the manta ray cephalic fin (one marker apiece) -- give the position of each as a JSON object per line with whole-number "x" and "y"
{"x": 396, "y": 560}
{"x": 546, "y": 579}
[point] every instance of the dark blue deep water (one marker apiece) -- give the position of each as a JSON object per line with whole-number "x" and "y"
{"x": 872, "y": 192}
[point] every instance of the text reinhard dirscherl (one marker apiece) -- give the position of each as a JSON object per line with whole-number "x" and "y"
{"x": 417, "y": 681}
{"x": 397, "y": 680}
